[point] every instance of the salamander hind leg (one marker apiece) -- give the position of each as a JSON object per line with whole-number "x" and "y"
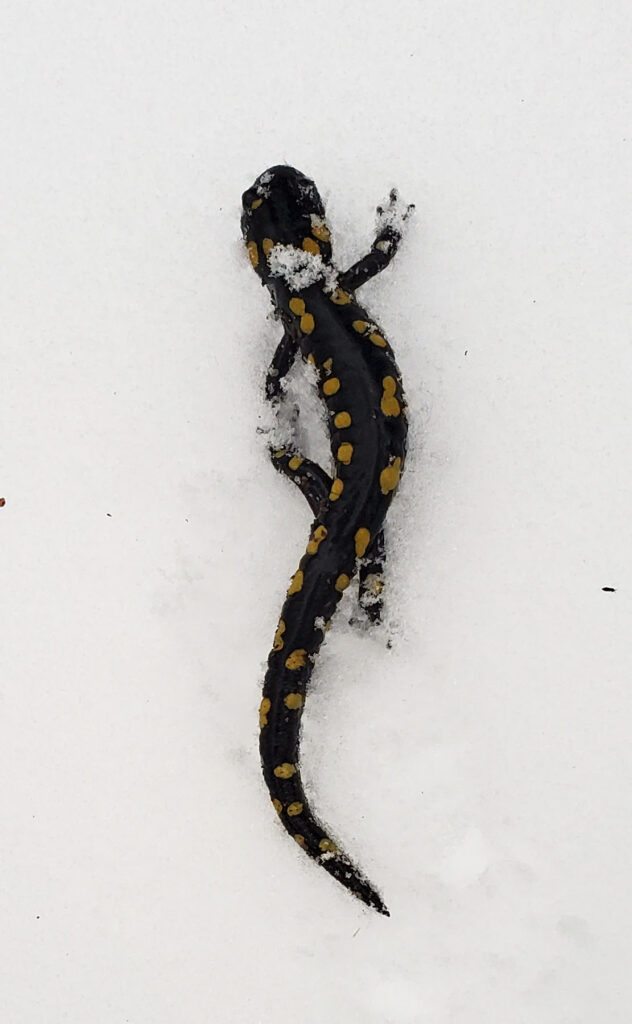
{"x": 371, "y": 579}
{"x": 313, "y": 482}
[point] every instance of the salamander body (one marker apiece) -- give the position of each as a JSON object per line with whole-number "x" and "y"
{"x": 289, "y": 245}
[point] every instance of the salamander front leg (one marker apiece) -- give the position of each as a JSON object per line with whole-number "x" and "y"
{"x": 313, "y": 482}
{"x": 372, "y": 579}
{"x": 390, "y": 228}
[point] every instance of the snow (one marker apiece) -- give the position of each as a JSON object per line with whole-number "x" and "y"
{"x": 478, "y": 771}
{"x": 300, "y": 269}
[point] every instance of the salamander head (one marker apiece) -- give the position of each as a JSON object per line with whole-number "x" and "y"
{"x": 283, "y": 209}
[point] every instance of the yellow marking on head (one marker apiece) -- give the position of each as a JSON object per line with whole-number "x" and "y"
{"x": 295, "y": 462}
{"x": 278, "y": 636}
{"x": 310, "y": 359}
{"x": 327, "y": 846}
{"x": 318, "y": 536}
{"x": 331, "y": 386}
{"x": 264, "y": 708}
{"x": 378, "y": 340}
{"x": 293, "y": 701}
{"x": 307, "y": 323}
{"x": 309, "y": 245}
{"x": 279, "y": 454}
{"x": 294, "y": 809}
{"x": 297, "y": 659}
{"x": 278, "y": 806}
{"x": 344, "y": 453}
{"x": 296, "y": 584}
{"x": 297, "y": 306}
{"x": 360, "y": 326}
{"x": 342, "y": 420}
{"x": 257, "y": 203}
{"x": 319, "y": 228}
{"x": 328, "y": 364}
{"x": 267, "y": 245}
{"x": 300, "y": 840}
{"x": 340, "y": 298}
{"x": 337, "y": 486}
{"x": 285, "y": 771}
{"x": 389, "y": 477}
{"x": 362, "y": 539}
{"x": 253, "y": 252}
{"x": 342, "y": 582}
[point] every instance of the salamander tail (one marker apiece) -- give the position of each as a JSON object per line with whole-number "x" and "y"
{"x": 290, "y": 803}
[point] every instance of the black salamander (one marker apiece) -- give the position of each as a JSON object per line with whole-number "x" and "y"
{"x": 289, "y": 245}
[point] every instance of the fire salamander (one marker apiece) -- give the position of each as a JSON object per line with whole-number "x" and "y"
{"x": 288, "y": 241}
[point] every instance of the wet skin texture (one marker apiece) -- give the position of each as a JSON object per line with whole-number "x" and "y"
{"x": 361, "y": 386}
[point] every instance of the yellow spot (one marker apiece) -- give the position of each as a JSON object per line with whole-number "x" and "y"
{"x": 294, "y": 809}
{"x": 328, "y": 364}
{"x": 319, "y": 535}
{"x": 297, "y": 306}
{"x": 327, "y": 845}
{"x": 331, "y": 386}
{"x": 342, "y": 420}
{"x": 264, "y": 708}
{"x": 278, "y": 636}
{"x": 362, "y": 539}
{"x": 285, "y": 771}
{"x": 340, "y": 298}
{"x": 278, "y": 806}
{"x": 253, "y": 252}
{"x": 307, "y": 323}
{"x": 345, "y": 452}
{"x": 295, "y": 462}
{"x": 293, "y": 701}
{"x": 309, "y": 245}
{"x": 267, "y": 245}
{"x": 337, "y": 486}
{"x": 319, "y": 229}
{"x": 310, "y": 359}
{"x": 389, "y": 404}
{"x": 257, "y": 203}
{"x": 296, "y": 584}
{"x": 389, "y": 477}
{"x": 378, "y": 340}
{"x": 360, "y": 326}
{"x": 296, "y": 659}
{"x": 300, "y": 840}
{"x": 280, "y": 453}
{"x": 342, "y": 582}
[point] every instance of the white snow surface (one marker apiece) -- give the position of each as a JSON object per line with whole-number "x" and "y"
{"x": 478, "y": 771}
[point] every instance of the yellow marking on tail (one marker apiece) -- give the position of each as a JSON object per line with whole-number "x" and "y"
{"x": 296, "y": 584}
{"x": 297, "y": 659}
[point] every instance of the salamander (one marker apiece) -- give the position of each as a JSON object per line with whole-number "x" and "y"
{"x": 289, "y": 245}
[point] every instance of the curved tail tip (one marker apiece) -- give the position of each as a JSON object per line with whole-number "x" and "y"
{"x": 376, "y": 903}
